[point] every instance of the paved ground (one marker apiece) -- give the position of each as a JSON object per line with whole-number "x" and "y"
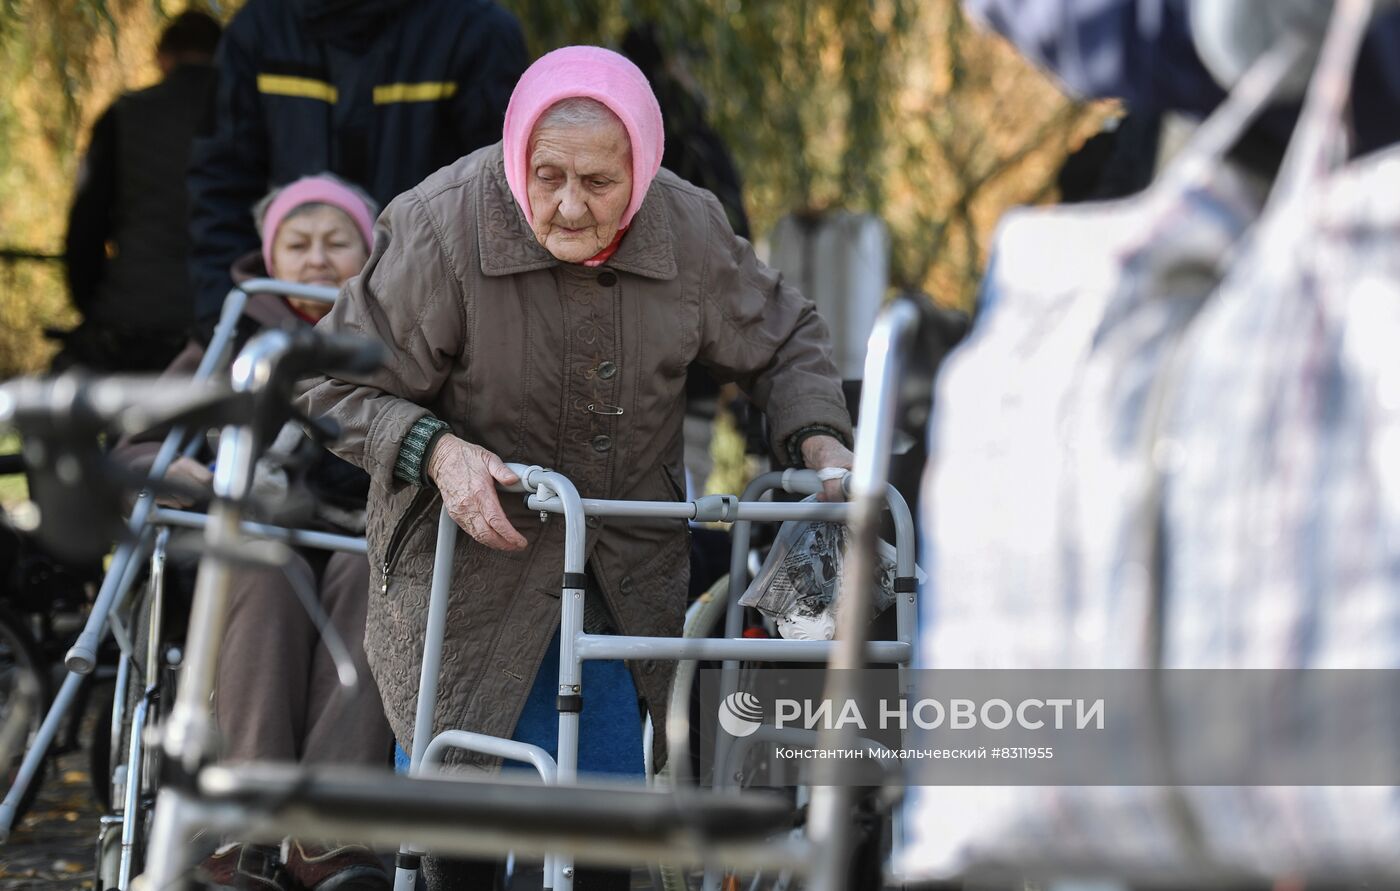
{"x": 52, "y": 848}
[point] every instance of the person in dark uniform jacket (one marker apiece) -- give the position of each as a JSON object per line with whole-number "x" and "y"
{"x": 378, "y": 92}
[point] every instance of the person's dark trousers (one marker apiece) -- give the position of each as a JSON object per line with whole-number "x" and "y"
{"x": 107, "y": 349}
{"x": 709, "y": 559}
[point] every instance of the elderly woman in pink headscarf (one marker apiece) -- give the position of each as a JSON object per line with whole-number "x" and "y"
{"x": 542, "y": 300}
{"x": 277, "y": 694}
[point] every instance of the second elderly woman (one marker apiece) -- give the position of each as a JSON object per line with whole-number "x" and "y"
{"x": 541, "y": 300}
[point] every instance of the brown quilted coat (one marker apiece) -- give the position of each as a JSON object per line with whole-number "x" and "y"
{"x": 490, "y": 333}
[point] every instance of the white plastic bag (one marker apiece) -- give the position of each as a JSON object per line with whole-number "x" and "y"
{"x": 798, "y": 584}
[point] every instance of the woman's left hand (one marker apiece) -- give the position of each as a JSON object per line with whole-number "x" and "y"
{"x": 827, "y": 451}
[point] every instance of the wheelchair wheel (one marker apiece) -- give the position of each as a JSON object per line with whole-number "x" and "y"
{"x": 146, "y": 771}
{"x": 99, "y": 747}
{"x": 704, "y": 616}
{"x": 873, "y": 827}
{"x": 109, "y": 857}
{"x": 24, "y": 695}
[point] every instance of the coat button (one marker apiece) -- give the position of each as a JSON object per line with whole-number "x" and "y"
{"x": 607, "y": 370}
{"x": 592, "y": 522}
{"x": 602, "y": 443}
{"x": 625, "y": 586}
{"x": 607, "y": 278}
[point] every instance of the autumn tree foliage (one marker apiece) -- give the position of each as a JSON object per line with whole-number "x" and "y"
{"x": 896, "y": 107}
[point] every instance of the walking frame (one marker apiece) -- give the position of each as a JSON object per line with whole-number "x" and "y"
{"x": 607, "y": 823}
{"x": 126, "y": 561}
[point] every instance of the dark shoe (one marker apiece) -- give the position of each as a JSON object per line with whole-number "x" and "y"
{"x": 335, "y": 867}
{"x": 246, "y": 868}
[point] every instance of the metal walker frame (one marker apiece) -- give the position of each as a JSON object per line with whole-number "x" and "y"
{"x": 554, "y": 493}
{"x": 145, "y": 525}
{"x": 610, "y": 824}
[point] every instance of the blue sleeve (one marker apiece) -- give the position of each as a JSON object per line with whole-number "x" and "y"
{"x": 1139, "y": 51}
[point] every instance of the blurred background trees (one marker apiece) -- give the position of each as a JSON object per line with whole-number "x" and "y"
{"x": 897, "y": 107}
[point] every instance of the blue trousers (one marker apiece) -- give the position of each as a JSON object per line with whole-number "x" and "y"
{"x": 610, "y": 726}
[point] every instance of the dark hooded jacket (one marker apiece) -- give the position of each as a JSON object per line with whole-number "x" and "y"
{"x": 379, "y": 92}
{"x": 127, "y": 247}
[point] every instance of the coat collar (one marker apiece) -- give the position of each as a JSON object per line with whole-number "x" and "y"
{"x": 268, "y": 310}
{"x": 508, "y": 246}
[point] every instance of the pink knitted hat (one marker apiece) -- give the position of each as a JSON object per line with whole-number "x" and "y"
{"x": 594, "y": 73}
{"x": 314, "y": 190}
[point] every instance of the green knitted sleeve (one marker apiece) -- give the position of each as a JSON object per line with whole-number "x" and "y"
{"x": 412, "y": 464}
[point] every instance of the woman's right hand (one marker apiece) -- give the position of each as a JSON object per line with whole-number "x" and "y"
{"x": 467, "y": 475}
{"x": 190, "y": 474}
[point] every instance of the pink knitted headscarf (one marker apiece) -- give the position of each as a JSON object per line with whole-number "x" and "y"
{"x": 594, "y": 73}
{"x": 315, "y": 190}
